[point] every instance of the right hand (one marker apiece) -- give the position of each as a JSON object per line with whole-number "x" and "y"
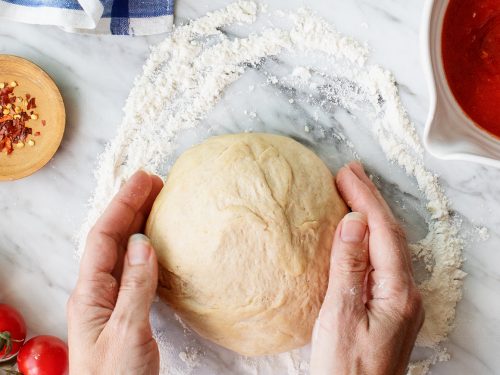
{"x": 373, "y": 310}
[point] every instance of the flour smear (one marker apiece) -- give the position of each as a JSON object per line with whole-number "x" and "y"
{"x": 182, "y": 81}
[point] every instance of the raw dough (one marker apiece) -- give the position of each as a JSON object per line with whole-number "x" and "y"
{"x": 243, "y": 230}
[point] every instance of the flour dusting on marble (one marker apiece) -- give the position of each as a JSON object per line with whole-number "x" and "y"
{"x": 186, "y": 76}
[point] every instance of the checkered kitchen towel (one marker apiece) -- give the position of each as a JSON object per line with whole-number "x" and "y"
{"x": 121, "y": 17}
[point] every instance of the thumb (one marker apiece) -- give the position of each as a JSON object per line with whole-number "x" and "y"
{"x": 343, "y": 305}
{"x": 349, "y": 261}
{"x": 139, "y": 281}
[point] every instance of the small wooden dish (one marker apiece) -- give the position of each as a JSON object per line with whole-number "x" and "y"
{"x": 32, "y": 80}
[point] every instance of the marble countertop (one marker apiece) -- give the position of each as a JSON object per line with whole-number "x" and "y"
{"x": 41, "y": 214}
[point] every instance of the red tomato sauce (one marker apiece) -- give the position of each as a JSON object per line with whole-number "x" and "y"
{"x": 471, "y": 59}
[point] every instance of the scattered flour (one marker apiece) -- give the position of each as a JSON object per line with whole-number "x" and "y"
{"x": 191, "y": 356}
{"x": 273, "y": 80}
{"x": 482, "y": 233}
{"x": 183, "y": 80}
{"x": 302, "y": 74}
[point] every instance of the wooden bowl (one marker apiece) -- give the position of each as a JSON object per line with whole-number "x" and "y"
{"x": 32, "y": 80}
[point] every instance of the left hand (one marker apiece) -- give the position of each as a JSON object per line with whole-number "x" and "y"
{"x": 108, "y": 312}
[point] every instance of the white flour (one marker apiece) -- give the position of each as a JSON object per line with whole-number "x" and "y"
{"x": 185, "y": 77}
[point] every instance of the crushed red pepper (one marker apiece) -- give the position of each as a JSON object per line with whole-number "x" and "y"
{"x": 14, "y": 117}
{"x": 31, "y": 103}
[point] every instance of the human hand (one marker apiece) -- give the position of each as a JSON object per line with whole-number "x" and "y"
{"x": 372, "y": 310}
{"x": 108, "y": 312}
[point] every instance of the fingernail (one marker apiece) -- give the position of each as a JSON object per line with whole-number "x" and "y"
{"x": 139, "y": 249}
{"x": 353, "y": 227}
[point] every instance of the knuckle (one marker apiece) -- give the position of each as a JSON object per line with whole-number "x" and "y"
{"x": 94, "y": 239}
{"x": 134, "y": 282}
{"x": 76, "y": 299}
{"x": 100, "y": 237}
{"x": 413, "y": 308}
{"x": 93, "y": 232}
{"x": 77, "y": 304}
{"x": 419, "y": 306}
{"x": 101, "y": 282}
{"x": 101, "y": 290}
{"x": 352, "y": 261}
{"x": 418, "y": 300}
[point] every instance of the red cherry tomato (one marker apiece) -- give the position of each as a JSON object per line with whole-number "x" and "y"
{"x": 43, "y": 355}
{"x": 12, "y": 332}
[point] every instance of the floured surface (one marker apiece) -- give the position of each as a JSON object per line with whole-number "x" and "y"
{"x": 194, "y": 80}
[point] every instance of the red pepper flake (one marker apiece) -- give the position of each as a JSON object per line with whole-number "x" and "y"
{"x": 44, "y": 123}
{"x": 5, "y": 95}
{"x": 31, "y": 104}
{"x": 13, "y": 119}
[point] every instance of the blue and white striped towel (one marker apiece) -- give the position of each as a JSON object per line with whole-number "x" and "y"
{"x": 121, "y": 17}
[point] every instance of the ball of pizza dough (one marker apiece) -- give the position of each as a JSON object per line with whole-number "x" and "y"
{"x": 243, "y": 231}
